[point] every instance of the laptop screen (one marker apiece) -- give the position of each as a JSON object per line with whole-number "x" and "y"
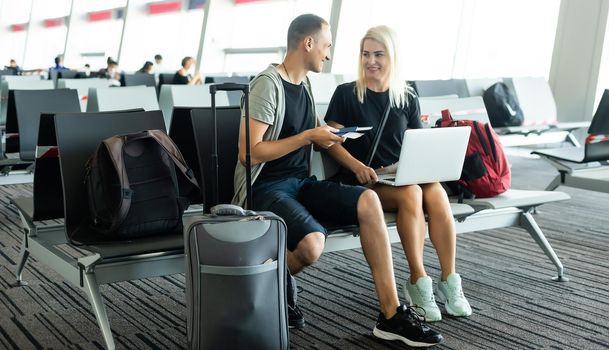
{"x": 432, "y": 155}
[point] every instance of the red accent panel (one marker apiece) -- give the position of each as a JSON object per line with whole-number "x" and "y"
{"x": 53, "y": 22}
{"x": 100, "y": 15}
{"x": 18, "y": 27}
{"x": 244, "y": 1}
{"x": 52, "y": 152}
{"x": 162, "y": 7}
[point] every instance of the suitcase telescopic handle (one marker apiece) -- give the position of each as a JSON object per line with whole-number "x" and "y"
{"x": 229, "y": 87}
{"x": 245, "y": 88}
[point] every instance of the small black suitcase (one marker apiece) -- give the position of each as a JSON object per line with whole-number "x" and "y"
{"x": 235, "y": 272}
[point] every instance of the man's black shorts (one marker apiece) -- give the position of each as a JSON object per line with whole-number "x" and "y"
{"x": 303, "y": 203}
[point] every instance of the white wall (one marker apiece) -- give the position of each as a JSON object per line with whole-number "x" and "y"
{"x": 577, "y": 56}
{"x": 603, "y": 75}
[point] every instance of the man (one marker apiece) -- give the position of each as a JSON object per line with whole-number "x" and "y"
{"x": 13, "y": 67}
{"x": 58, "y": 64}
{"x": 158, "y": 60}
{"x": 158, "y": 67}
{"x": 283, "y": 127}
{"x": 111, "y": 72}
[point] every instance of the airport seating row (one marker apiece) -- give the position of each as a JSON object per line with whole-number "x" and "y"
{"x": 534, "y": 96}
{"x": 585, "y": 167}
{"x": 25, "y": 99}
{"x": 68, "y": 139}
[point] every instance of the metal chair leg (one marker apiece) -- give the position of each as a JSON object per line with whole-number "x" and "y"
{"x": 528, "y": 223}
{"x": 92, "y": 289}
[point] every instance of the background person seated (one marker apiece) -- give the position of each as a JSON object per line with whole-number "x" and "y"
{"x": 58, "y": 64}
{"x": 111, "y": 72}
{"x": 86, "y": 71}
{"x": 14, "y": 67}
{"x": 147, "y": 68}
{"x": 158, "y": 62}
{"x": 182, "y": 77}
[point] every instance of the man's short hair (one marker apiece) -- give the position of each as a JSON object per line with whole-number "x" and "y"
{"x": 158, "y": 57}
{"x": 303, "y": 26}
{"x": 57, "y": 59}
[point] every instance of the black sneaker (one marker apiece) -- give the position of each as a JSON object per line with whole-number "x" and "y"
{"x": 406, "y": 327}
{"x": 295, "y": 318}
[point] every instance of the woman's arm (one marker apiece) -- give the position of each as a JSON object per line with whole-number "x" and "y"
{"x": 197, "y": 79}
{"x": 364, "y": 174}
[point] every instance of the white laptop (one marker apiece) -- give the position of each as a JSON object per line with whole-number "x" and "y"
{"x": 430, "y": 155}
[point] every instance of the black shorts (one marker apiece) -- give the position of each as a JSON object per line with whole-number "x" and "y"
{"x": 303, "y": 203}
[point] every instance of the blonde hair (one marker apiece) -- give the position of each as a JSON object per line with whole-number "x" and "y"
{"x": 398, "y": 89}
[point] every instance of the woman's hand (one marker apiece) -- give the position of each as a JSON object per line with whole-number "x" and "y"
{"x": 365, "y": 174}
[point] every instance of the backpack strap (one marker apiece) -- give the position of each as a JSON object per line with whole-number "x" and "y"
{"x": 377, "y": 136}
{"x": 480, "y": 137}
{"x": 114, "y": 146}
{"x": 490, "y": 137}
{"x": 174, "y": 153}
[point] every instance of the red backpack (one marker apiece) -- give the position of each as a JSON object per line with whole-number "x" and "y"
{"x": 486, "y": 172}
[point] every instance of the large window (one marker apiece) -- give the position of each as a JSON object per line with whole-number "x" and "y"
{"x": 509, "y": 38}
{"x": 443, "y": 39}
{"x": 262, "y": 24}
{"x": 14, "y": 16}
{"x": 95, "y": 32}
{"x": 47, "y": 35}
{"x": 440, "y": 39}
{"x": 427, "y": 33}
{"x": 174, "y": 35}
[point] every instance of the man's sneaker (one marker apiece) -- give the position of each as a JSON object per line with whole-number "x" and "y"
{"x": 451, "y": 294}
{"x": 406, "y": 327}
{"x": 295, "y": 318}
{"x": 420, "y": 295}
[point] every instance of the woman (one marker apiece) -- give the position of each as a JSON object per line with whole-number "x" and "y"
{"x": 183, "y": 77}
{"x": 362, "y": 103}
{"x": 147, "y": 68}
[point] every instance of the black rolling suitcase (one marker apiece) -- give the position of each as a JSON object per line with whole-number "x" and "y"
{"x": 235, "y": 271}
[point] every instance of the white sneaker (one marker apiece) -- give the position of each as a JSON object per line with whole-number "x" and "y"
{"x": 420, "y": 295}
{"x": 451, "y": 294}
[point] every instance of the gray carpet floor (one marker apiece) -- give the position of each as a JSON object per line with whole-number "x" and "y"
{"x": 506, "y": 278}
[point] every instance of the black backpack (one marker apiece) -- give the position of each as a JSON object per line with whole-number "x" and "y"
{"x": 133, "y": 188}
{"x": 502, "y": 106}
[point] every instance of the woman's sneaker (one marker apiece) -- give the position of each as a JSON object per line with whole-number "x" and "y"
{"x": 420, "y": 295}
{"x": 451, "y": 294}
{"x": 406, "y": 327}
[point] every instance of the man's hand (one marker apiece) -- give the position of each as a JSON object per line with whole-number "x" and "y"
{"x": 324, "y": 136}
{"x": 365, "y": 175}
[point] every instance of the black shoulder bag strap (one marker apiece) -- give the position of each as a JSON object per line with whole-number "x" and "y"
{"x": 377, "y": 136}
